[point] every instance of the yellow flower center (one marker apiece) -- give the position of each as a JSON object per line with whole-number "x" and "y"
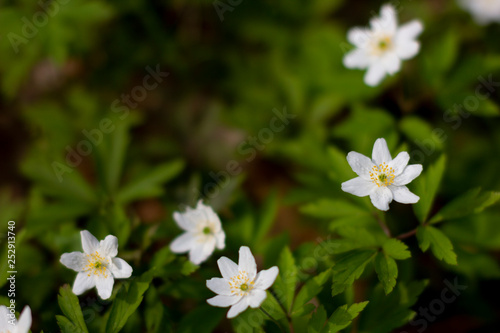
{"x": 381, "y": 45}
{"x": 382, "y": 175}
{"x": 240, "y": 284}
{"x": 96, "y": 265}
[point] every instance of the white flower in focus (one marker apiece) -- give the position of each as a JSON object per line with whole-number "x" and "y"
{"x": 382, "y": 178}
{"x": 483, "y": 11}
{"x": 203, "y": 232}
{"x": 9, "y": 324}
{"x": 97, "y": 266}
{"x": 381, "y": 47}
{"x": 240, "y": 285}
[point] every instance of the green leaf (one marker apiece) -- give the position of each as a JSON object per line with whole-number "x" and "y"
{"x": 287, "y": 279}
{"x": 70, "y": 306}
{"x": 127, "y": 301}
{"x": 318, "y": 320}
{"x": 421, "y": 133}
{"x": 149, "y": 184}
{"x": 311, "y": 288}
{"x": 396, "y": 249}
{"x": 333, "y": 208}
{"x": 349, "y": 268}
{"x": 387, "y": 271}
{"x": 472, "y": 202}
{"x": 343, "y": 316}
{"x": 438, "y": 242}
{"x": 426, "y": 186}
{"x": 203, "y": 319}
{"x": 267, "y": 216}
{"x": 67, "y": 326}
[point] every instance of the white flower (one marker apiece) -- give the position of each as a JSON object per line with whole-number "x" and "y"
{"x": 203, "y": 232}
{"x": 483, "y": 11}
{"x": 381, "y": 47}
{"x": 240, "y": 285}
{"x": 382, "y": 178}
{"x": 9, "y": 324}
{"x": 97, "y": 266}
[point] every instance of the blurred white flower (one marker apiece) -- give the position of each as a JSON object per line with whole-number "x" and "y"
{"x": 382, "y": 178}
{"x": 97, "y": 266}
{"x": 483, "y": 11}
{"x": 240, "y": 285}
{"x": 381, "y": 47}
{"x": 9, "y": 324}
{"x": 203, "y": 232}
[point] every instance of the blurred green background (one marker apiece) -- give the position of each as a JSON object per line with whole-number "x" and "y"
{"x": 87, "y": 143}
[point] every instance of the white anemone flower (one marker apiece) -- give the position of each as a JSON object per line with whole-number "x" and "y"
{"x": 483, "y": 11}
{"x": 381, "y": 47}
{"x": 203, "y": 233}
{"x": 97, "y": 266}
{"x": 240, "y": 285}
{"x": 381, "y": 177}
{"x": 9, "y": 324}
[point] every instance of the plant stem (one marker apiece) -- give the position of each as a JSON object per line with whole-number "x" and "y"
{"x": 407, "y": 234}
{"x": 382, "y": 224}
{"x": 274, "y": 320}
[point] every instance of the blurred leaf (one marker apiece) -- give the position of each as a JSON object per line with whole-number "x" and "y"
{"x": 287, "y": 279}
{"x": 333, "y": 208}
{"x": 426, "y": 187}
{"x": 266, "y": 218}
{"x": 421, "y": 133}
{"x": 203, "y": 319}
{"x": 70, "y": 306}
{"x": 438, "y": 242}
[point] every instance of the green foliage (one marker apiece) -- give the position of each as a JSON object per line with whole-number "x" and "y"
{"x": 70, "y": 306}
{"x": 287, "y": 279}
{"x": 439, "y": 244}
{"x": 348, "y": 268}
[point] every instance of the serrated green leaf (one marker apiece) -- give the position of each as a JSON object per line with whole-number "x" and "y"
{"x": 318, "y": 320}
{"x": 472, "y": 202}
{"x": 426, "y": 186}
{"x": 349, "y": 268}
{"x": 343, "y": 316}
{"x": 311, "y": 288}
{"x": 439, "y": 243}
{"x": 287, "y": 279}
{"x": 70, "y": 306}
{"x": 396, "y": 249}
{"x": 387, "y": 271}
{"x": 67, "y": 326}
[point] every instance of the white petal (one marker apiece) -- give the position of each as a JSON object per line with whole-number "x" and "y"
{"x": 266, "y": 278}
{"x": 407, "y": 50}
{"x": 381, "y": 198}
{"x": 24, "y": 322}
{"x": 83, "y": 282}
{"x": 403, "y": 195}
{"x": 387, "y": 22}
{"x": 90, "y": 244}
{"x": 356, "y": 59}
{"x": 227, "y": 268}
{"x": 359, "y": 187}
{"x": 74, "y": 260}
{"x": 376, "y": 72}
{"x": 238, "y": 308}
{"x": 189, "y": 220}
{"x": 359, "y": 37}
{"x": 409, "y": 31}
{"x": 223, "y": 301}
{"x": 406, "y": 46}
{"x": 210, "y": 216}
{"x": 109, "y": 246}
{"x": 399, "y": 163}
{"x": 4, "y": 316}
{"x": 409, "y": 173}
{"x": 183, "y": 243}
{"x": 120, "y": 268}
{"x": 360, "y": 164}
{"x": 220, "y": 240}
{"x": 202, "y": 250}
{"x": 105, "y": 286}
{"x": 219, "y": 286}
{"x": 391, "y": 62}
{"x": 256, "y": 298}
{"x": 246, "y": 262}
{"x": 380, "y": 152}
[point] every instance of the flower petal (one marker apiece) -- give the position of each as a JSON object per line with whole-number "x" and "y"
{"x": 219, "y": 286}
{"x": 387, "y": 22}
{"x": 409, "y": 173}
{"x": 380, "y": 152}
{"x": 120, "y": 268}
{"x": 227, "y": 268}
{"x": 4, "y": 317}
{"x": 109, "y": 246}
{"x": 183, "y": 243}
{"x": 403, "y": 195}
{"x": 189, "y": 220}
{"x": 256, "y": 297}
{"x": 246, "y": 262}
{"x": 391, "y": 62}
{"x": 238, "y": 308}
{"x": 360, "y": 164}
{"x": 83, "y": 282}
{"x": 407, "y": 50}
{"x": 90, "y": 244}
{"x": 24, "y": 323}
{"x": 356, "y": 59}
{"x": 210, "y": 216}
{"x": 359, "y": 187}
{"x": 399, "y": 163}
{"x": 223, "y": 301}
{"x": 201, "y": 251}
{"x": 409, "y": 31}
{"x": 359, "y": 37}
{"x": 266, "y": 278}
{"x": 74, "y": 260}
{"x": 220, "y": 240}
{"x": 375, "y": 74}
{"x": 104, "y": 286}
{"x": 381, "y": 198}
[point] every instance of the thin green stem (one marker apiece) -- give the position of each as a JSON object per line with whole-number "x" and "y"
{"x": 274, "y": 320}
{"x": 383, "y": 225}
